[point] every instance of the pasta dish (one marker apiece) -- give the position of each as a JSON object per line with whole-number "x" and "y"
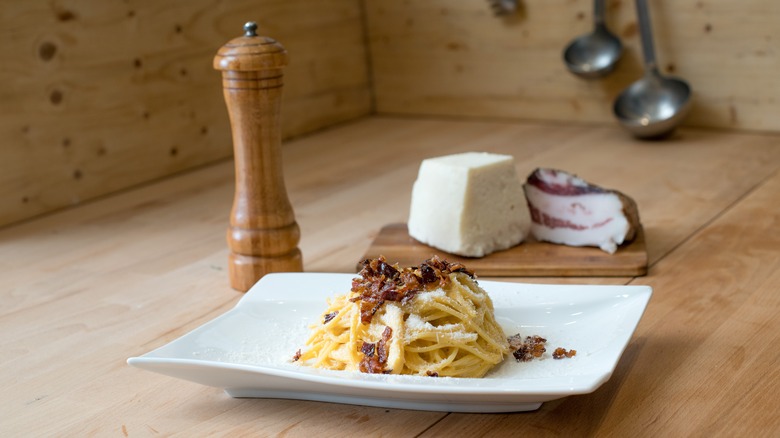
{"x": 429, "y": 320}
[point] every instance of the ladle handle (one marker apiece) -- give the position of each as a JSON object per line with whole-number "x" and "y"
{"x": 646, "y": 34}
{"x": 598, "y": 12}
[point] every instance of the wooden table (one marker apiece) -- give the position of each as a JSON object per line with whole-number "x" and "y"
{"x": 85, "y": 288}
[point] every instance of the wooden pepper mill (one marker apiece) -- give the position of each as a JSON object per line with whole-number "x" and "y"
{"x": 263, "y": 235}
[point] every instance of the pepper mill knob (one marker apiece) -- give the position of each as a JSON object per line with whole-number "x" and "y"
{"x": 263, "y": 235}
{"x": 250, "y": 29}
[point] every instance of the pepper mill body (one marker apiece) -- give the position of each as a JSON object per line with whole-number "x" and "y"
{"x": 263, "y": 235}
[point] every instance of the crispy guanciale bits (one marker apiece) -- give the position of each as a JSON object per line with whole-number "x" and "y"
{"x": 528, "y": 349}
{"x": 533, "y": 347}
{"x": 380, "y": 282}
{"x": 375, "y": 354}
{"x": 561, "y": 353}
{"x": 329, "y": 316}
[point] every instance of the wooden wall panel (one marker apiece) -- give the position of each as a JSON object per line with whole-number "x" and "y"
{"x": 455, "y": 58}
{"x": 96, "y": 96}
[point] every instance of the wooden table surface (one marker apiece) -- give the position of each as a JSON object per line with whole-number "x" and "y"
{"x": 86, "y": 288}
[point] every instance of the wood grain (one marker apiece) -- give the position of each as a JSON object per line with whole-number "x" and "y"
{"x": 85, "y": 288}
{"x": 681, "y": 182}
{"x": 439, "y": 57}
{"x": 702, "y": 361}
{"x": 100, "y": 96}
{"x": 529, "y": 259}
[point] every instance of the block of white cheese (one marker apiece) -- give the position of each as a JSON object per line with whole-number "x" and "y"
{"x": 470, "y": 204}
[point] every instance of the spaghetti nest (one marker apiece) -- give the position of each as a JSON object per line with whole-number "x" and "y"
{"x": 429, "y": 320}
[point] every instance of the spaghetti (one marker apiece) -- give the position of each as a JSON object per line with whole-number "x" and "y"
{"x": 429, "y": 320}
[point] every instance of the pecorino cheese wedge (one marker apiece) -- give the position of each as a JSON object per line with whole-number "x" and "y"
{"x": 567, "y": 210}
{"x": 469, "y": 204}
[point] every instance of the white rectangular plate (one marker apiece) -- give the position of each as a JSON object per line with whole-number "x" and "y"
{"x": 248, "y": 350}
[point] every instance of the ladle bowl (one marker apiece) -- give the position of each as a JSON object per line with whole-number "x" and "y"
{"x": 654, "y": 105}
{"x": 595, "y": 54}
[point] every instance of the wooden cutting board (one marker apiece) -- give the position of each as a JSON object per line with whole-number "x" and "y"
{"x": 529, "y": 259}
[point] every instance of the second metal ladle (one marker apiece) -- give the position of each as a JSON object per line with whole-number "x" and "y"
{"x": 654, "y": 105}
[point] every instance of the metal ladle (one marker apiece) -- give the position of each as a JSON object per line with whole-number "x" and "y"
{"x": 654, "y": 105}
{"x": 595, "y": 54}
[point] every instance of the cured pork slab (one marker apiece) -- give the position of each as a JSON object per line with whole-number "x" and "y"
{"x": 568, "y": 210}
